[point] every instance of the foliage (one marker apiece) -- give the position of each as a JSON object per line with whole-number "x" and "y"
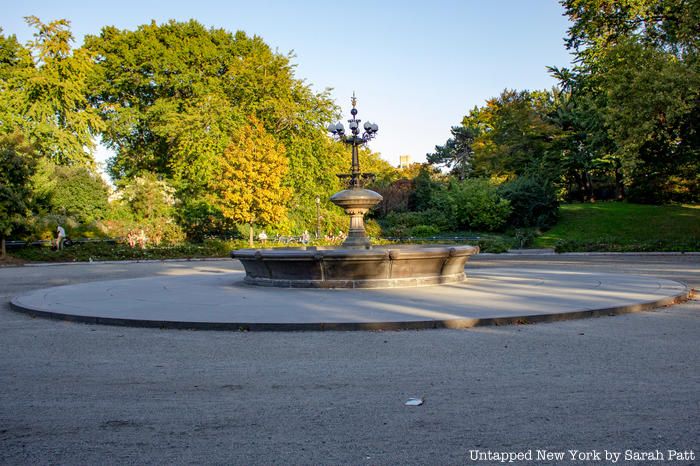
{"x": 401, "y": 224}
{"x": 533, "y": 201}
{"x": 396, "y": 195}
{"x": 616, "y": 245}
{"x": 424, "y": 231}
{"x": 457, "y": 151}
{"x": 146, "y": 203}
{"x": 147, "y": 196}
{"x": 43, "y": 228}
{"x": 44, "y": 93}
{"x": 75, "y": 191}
{"x": 200, "y": 220}
{"x": 428, "y": 183}
{"x": 108, "y": 250}
{"x": 175, "y": 96}
{"x": 624, "y": 223}
{"x": 475, "y": 204}
{"x": 17, "y": 160}
{"x": 638, "y": 70}
{"x": 494, "y": 246}
{"x": 518, "y": 137}
{"x": 248, "y": 185}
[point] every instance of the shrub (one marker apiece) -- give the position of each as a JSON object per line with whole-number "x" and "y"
{"x": 424, "y": 231}
{"x": 400, "y": 224}
{"x": 475, "y": 204}
{"x": 534, "y": 202}
{"x": 617, "y": 245}
{"x": 97, "y": 251}
{"x": 495, "y": 246}
{"x": 73, "y": 191}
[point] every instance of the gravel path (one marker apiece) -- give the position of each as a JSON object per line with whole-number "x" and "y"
{"x": 85, "y": 394}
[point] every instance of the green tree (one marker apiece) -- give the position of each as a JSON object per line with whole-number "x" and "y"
{"x": 475, "y": 204}
{"x": 518, "y": 136}
{"x": 44, "y": 93}
{"x": 457, "y": 152}
{"x": 638, "y": 65}
{"x": 17, "y": 160}
{"x": 174, "y": 95}
{"x": 248, "y": 186}
{"x": 148, "y": 197}
{"x": 75, "y": 191}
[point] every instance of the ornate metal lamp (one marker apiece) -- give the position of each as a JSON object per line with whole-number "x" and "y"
{"x": 355, "y": 200}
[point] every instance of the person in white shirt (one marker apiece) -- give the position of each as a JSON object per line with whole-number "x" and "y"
{"x": 60, "y": 237}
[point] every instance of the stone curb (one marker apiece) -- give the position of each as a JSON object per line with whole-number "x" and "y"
{"x": 464, "y": 323}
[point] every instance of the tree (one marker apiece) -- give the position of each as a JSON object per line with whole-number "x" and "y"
{"x": 75, "y": 191}
{"x": 638, "y": 65}
{"x": 17, "y": 160}
{"x": 173, "y": 96}
{"x": 148, "y": 197}
{"x": 517, "y": 136}
{"x": 475, "y": 204}
{"x": 44, "y": 93}
{"x": 457, "y": 151}
{"x": 248, "y": 187}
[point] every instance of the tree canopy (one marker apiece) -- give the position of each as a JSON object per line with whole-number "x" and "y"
{"x": 44, "y": 93}
{"x": 248, "y": 185}
{"x": 623, "y": 120}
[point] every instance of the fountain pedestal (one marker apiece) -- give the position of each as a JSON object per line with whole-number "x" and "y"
{"x": 356, "y": 202}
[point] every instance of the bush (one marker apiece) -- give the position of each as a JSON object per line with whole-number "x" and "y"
{"x": 475, "y": 204}
{"x": 158, "y": 231}
{"x": 400, "y": 224}
{"x": 97, "y": 251}
{"x": 494, "y": 246}
{"x": 617, "y": 245}
{"x": 424, "y": 231}
{"x": 534, "y": 202}
{"x": 72, "y": 191}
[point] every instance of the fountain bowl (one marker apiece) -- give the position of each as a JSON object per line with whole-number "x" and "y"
{"x": 394, "y": 266}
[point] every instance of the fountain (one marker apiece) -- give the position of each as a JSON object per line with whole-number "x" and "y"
{"x": 356, "y": 263}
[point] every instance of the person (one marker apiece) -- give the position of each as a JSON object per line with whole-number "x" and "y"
{"x": 60, "y": 237}
{"x": 262, "y": 237}
{"x": 305, "y": 237}
{"x": 142, "y": 239}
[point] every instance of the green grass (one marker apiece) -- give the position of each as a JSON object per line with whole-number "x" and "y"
{"x": 619, "y": 226}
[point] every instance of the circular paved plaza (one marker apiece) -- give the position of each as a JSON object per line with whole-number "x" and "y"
{"x": 221, "y": 301}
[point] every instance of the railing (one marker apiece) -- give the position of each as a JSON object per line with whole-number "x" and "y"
{"x": 432, "y": 239}
{"x": 16, "y": 244}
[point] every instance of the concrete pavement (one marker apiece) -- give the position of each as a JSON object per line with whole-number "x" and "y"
{"x": 218, "y": 299}
{"x": 89, "y": 394}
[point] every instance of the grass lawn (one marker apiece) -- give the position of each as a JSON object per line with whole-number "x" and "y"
{"x": 624, "y": 226}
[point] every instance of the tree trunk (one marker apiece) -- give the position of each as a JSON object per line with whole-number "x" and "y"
{"x": 250, "y": 235}
{"x": 589, "y": 188}
{"x": 582, "y": 193}
{"x": 2, "y": 248}
{"x": 619, "y": 184}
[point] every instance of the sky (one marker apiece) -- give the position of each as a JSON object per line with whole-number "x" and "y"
{"x": 417, "y": 67}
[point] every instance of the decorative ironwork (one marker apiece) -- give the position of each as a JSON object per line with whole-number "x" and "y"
{"x": 354, "y": 140}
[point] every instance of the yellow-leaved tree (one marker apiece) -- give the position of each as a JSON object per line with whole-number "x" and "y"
{"x": 248, "y": 185}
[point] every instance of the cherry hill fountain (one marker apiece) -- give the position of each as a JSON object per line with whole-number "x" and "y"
{"x": 356, "y": 263}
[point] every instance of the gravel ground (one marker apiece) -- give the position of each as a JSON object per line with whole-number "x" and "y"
{"x": 85, "y": 394}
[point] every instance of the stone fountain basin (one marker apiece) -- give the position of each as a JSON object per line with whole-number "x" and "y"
{"x": 379, "y": 267}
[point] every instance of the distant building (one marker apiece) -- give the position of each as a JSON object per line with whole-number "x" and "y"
{"x": 404, "y": 161}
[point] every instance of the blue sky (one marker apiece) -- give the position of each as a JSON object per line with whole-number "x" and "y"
{"x": 416, "y": 67}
